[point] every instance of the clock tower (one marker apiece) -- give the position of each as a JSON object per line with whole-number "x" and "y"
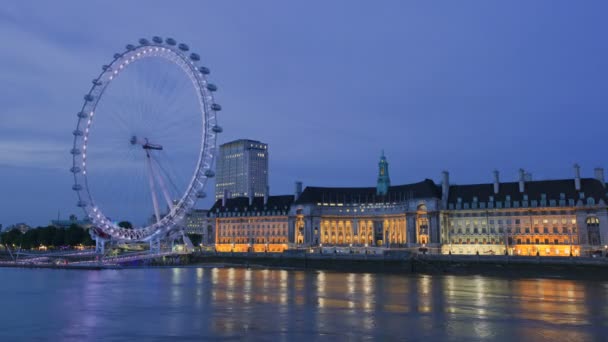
{"x": 384, "y": 181}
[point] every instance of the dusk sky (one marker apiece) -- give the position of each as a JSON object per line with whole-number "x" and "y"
{"x": 463, "y": 86}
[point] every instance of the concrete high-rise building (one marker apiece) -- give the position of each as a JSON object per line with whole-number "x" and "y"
{"x": 242, "y": 168}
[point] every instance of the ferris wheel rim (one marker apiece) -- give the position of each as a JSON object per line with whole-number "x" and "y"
{"x": 176, "y": 53}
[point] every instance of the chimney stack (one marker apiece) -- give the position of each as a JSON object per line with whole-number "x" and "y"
{"x": 577, "y": 177}
{"x": 496, "y": 182}
{"x": 298, "y": 191}
{"x": 445, "y": 185}
{"x": 522, "y": 179}
{"x": 266, "y": 194}
{"x": 599, "y": 175}
{"x": 224, "y": 197}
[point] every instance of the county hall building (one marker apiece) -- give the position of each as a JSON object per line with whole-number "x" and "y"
{"x": 546, "y": 218}
{"x": 525, "y": 217}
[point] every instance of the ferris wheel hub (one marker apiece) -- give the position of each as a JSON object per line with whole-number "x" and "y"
{"x": 145, "y": 144}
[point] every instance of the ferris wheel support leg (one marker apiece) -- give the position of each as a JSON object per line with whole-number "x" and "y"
{"x": 152, "y": 187}
{"x": 155, "y": 246}
{"x": 100, "y": 245}
{"x": 187, "y": 242}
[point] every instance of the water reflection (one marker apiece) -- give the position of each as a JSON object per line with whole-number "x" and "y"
{"x": 214, "y": 303}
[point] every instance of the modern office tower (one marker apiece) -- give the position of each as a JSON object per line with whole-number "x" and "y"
{"x": 242, "y": 168}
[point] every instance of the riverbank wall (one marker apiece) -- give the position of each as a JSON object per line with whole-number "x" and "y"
{"x": 395, "y": 262}
{"x": 412, "y": 263}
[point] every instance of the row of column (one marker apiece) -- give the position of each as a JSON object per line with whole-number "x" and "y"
{"x": 360, "y": 232}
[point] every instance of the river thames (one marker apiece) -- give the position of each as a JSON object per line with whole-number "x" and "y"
{"x": 194, "y": 304}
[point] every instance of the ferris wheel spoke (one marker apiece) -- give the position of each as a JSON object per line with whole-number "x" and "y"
{"x": 152, "y": 189}
{"x": 161, "y": 182}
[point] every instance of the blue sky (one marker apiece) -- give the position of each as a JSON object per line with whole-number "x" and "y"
{"x": 465, "y": 86}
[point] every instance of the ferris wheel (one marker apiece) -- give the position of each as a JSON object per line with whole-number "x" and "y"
{"x": 145, "y": 141}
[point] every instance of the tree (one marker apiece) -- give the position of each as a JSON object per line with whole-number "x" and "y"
{"x": 11, "y": 237}
{"x": 59, "y": 238}
{"x": 125, "y": 224}
{"x": 46, "y": 235}
{"x": 74, "y": 235}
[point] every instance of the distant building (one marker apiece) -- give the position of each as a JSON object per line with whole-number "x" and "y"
{"x": 22, "y": 227}
{"x": 257, "y": 224}
{"x": 198, "y": 222}
{"x": 242, "y": 167}
{"x": 85, "y": 223}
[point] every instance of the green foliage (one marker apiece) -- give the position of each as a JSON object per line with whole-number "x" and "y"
{"x": 48, "y": 236}
{"x": 11, "y": 237}
{"x": 125, "y": 224}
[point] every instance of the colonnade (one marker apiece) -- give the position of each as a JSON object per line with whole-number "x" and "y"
{"x": 360, "y": 231}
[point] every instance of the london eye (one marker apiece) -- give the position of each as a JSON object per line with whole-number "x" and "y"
{"x": 145, "y": 142}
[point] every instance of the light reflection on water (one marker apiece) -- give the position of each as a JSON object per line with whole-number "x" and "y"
{"x": 212, "y": 303}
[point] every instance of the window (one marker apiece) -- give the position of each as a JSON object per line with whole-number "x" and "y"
{"x": 537, "y": 240}
{"x": 527, "y": 230}
{"x": 519, "y": 241}
{"x": 546, "y": 230}
{"x": 556, "y": 242}
{"x": 517, "y": 221}
{"x": 546, "y": 241}
{"x": 564, "y": 230}
{"x": 555, "y": 230}
{"x": 536, "y": 230}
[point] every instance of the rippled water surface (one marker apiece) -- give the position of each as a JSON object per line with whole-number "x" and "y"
{"x": 195, "y": 304}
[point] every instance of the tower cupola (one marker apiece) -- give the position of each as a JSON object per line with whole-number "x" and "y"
{"x": 384, "y": 181}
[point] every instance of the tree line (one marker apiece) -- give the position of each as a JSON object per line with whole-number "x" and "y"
{"x": 47, "y": 236}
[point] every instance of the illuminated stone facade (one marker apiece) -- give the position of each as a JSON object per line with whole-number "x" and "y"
{"x": 526, "y": 217}
{"x": 357, "y": 217}
{"x": 251, "y": 224}
{"x": 382, "y": 216}
{"x": 545, "y": 218}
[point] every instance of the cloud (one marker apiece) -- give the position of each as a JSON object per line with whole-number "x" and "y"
{"x": 36, "y": 154}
